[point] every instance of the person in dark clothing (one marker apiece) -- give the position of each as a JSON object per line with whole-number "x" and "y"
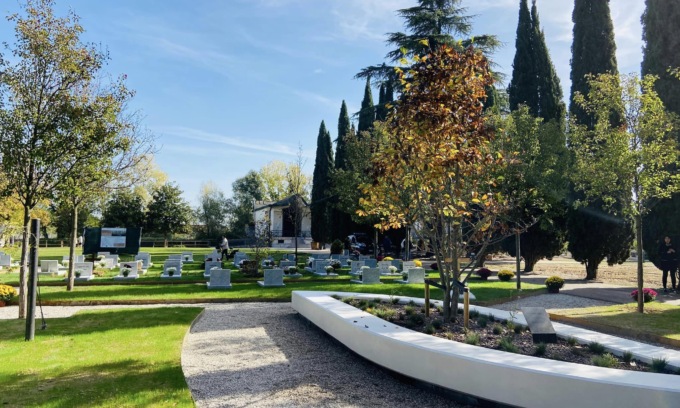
{"x": 668, "y": 260}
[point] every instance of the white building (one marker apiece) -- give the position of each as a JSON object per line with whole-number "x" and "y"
{"x": 281, "y": 217}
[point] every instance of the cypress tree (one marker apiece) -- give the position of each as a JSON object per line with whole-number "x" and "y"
{"x": 661, "y": 34}
{"x": 593, "y": 50}
{"x": 523, "y": 86}
{"x": 381, "y": 109}
{"x": 367, "y": 113}
{"x": 342, "y": 222}
{"x": 594, "y": 234}
{"x": 550, "y": 104}
{"x": 321, "y": 184}
{"x": 343, "y": 132}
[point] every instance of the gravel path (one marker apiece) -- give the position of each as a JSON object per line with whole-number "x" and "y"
{"x": 266, "y": 355}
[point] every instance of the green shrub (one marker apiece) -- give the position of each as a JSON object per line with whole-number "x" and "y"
{"x": 572, "y": 341}
{"x": 540, "y": 349}
{"x": 449, "y": 335}
{"x": 409, "y": 310}
{"x": 337, "y": 247}
{"x": 627, "y": 356}
{"x": 554, "y": 283}
{"x": 607, "y": 360}
{"x": 505, "y": 275}
{"x": 347, "y": 300}
{"x": 506, "y": 345}
{"x": 472, "y": 338}
{"x": 385, "y": 313}
{"x": 416, "y": 319}
{"x": 437, "y": 324}
{"x": 395, "y": 300}
{"x": 497, "y": 329}
{"x": 474, "y": 314}
{"x": 482, "y": 321}
{"x": 596, "y": 347}
{"x": 658, "y": 365}
{"x": 518, "y": 329}
{"x": 429, "y": 329}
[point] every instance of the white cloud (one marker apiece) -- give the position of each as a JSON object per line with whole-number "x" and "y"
{"x": 218, "y": 140}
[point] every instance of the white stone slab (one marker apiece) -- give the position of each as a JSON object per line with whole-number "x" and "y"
{"x": 172, "y": 263}
{"x": 187, "y": 256}
{"x": 85, "y": 269}
{"x": 369, "y": 276}
{"x": 415, "y": 275}
{"x": 51, "y": 267}
{"x": 272, "y": 278}
{"x": 145, "y": 257}
{"x": 213, "y": 256}
{"x": 211, "y": 265}
{"x": 219, "y": 279}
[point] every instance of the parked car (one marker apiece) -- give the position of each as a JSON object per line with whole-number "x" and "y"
{"x": 360, "y": 241}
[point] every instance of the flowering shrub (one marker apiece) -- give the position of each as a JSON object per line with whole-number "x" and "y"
{"x": 388, "y": 258}
{"x": 554, "y": 282}
{"x": 291, "y": 269}
{"x": 647, "y": 293}
{"x": 483, "y": 273}
{"x": 336, "y": 264}
{"x": 329, "y": 269}
{"x": 7, "y": 293}
{"x": 365, "y": 267}
{"x": 418, "y": 263}
{"x": 393, "y": 269}
{"x": 505, "y": 275}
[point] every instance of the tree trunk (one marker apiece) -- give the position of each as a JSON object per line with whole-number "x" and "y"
{"x": 529, "y": 262}
{"x": 640, "y": 272}
{"x": 591, "y": 268}
{"x": 70, "y": 281}
{"x": 23, "y": 271}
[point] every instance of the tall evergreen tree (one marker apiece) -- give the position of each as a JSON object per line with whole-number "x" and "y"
{"x": 342, "y": 222}
{"x": 661, "y": 34}
{"x": 321, "y": 186}
{"x": 523, "y": 85}
{"x": 437, "y": 21}
{"x": 593, "y": 50}
{"x": 593, "y": 233}
{"x": 367, "y": 113}
{"x": 343, "y": 132}
{"x": 550, "y": 104}
{"x": 381, "y": 109}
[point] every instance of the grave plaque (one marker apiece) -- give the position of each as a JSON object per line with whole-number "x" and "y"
{"x": 540, "y": 326}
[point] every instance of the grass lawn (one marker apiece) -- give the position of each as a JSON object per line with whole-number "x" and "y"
{"x": 241, "y": 292}
{"x": 109, "y": 358}
{"x": 659, "y": 319}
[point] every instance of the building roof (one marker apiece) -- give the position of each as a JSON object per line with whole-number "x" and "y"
{"x": 286, "y": 202}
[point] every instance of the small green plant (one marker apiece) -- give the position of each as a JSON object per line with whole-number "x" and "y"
{"x": 474, "y": 314}
{"x": 440, "y": 309}
{"x": 337, "y": 246}
{"x": 510, "y": 325}
{"x": 554, "y": 284}
{"x": 596, "y": 347}
{"x": 540, "y": 349}
{"x": 627, "y": 357}
{"x": 449, "y": 335}
{"x": 409, "y": 310}
{"x": 482, "y": 321}
{"x": 659, "y": 365}
{"x": 492, "y": 318}
{"x": 336, "y": 297}
{"x": 472, "y": 338}
{"x": 506, "y": 344}
{"x": 606, "y": 360}
{"x": 411, "y": 303}
{"x": 429, "y": 329}
{"x": 572, "y": 341}
{"x": 416, "y": 320}
{"x": 395, "y": 300}
{"x": 497, "y": 329}
{"x": 347, "y": 300}
{"x": 505, "y": 275}
{"x": 437, "y": 324}
{"x": 385, "y": 313}
{"x": 518, "y": 329}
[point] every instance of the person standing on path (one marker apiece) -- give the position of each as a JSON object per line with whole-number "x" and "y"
{"x": 669, "y": 262}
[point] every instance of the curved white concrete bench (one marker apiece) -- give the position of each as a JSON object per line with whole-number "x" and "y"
{"x": 489, "y": 374}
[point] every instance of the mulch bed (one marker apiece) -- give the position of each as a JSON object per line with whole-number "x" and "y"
{"x": 489, "y": 332}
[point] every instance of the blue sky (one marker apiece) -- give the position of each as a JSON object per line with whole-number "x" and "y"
{"x": 229, "y": 85}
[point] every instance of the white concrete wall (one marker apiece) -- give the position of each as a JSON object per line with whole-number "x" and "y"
{"x": 490, "y": 374}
